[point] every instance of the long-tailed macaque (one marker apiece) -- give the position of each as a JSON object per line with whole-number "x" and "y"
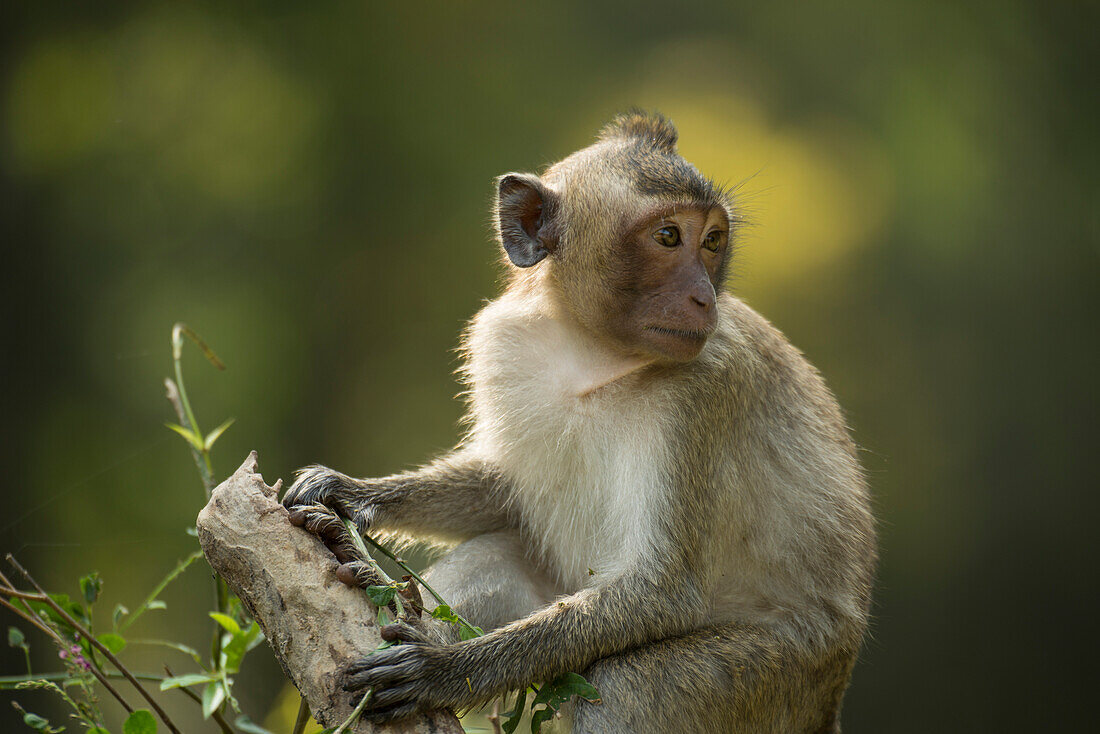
{"x": 656, "y": 489}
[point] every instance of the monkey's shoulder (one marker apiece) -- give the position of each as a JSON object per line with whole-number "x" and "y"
{"x": 763, "y": 373}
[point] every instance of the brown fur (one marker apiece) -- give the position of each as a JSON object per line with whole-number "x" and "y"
{"x": 694, "y": 527}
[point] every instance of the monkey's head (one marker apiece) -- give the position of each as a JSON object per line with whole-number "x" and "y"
{"x": 627, "y": 236}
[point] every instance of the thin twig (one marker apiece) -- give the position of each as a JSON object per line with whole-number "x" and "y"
{"x": 408, "y": 569}
{"x": 63, "y": 644}
{"x": 173, "y": 394}
{"x": 494, "y": 717}
{"x": 177, "y": 396}
{"x": 303, "y": 717}
{"x": 29, "y": 595}
{"x": 361, "y": 549}
{"x": 67, "y": 678}
{"x": 350, "y": 721}
{"x": 97, "y": 644}
{"x": 216, "y": 716}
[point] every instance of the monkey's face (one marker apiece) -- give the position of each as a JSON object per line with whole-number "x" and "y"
{"x": 664, "y": 271}
{"x": 635, "y": 239}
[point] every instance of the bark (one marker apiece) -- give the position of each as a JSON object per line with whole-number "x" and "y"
{"x": 287, "y": 580}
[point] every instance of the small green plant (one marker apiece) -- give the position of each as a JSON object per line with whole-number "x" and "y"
{"x": 91, "y": 657}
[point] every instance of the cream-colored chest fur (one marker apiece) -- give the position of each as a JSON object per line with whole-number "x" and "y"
{"x": 585, "y": 453}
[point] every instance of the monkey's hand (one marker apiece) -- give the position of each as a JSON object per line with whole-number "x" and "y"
{"x": 352, "y": 498}
{"x": 356, "y": 568}
{"x": 417, "y": 675}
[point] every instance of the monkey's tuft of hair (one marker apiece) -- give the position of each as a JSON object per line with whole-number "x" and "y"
{"x": 651, "y": 127}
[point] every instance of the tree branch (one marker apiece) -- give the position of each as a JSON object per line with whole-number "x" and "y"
{"x": 287, "y": 579}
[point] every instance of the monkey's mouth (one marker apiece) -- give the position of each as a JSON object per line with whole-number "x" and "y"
{"x": 687, "y": 334}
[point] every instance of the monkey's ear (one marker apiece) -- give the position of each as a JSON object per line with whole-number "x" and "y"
{"x": 526, "y": 211}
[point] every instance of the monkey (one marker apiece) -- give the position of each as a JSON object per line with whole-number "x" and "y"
{"x": 655, "y": 488}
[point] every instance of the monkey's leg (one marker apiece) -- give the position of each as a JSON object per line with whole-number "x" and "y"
{"x": 730, "y": 678}
{"x": 490, "y": 581}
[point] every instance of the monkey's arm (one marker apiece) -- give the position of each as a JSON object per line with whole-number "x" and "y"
{"x": 454, "y": 498}
{"x": 569, "y": 635}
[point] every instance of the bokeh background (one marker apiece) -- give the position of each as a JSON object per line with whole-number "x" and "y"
{"x": 307, "y": 184}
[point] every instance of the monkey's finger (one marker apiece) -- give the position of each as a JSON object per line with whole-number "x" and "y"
{"x": 377, "y": 678}
{"x": 383, "y": 716}
{"x": 329, "y": 528}
{"x": 401, "y": 632}
{"x": 401, "y": 654}
{"x": 388, "y": 698}
{"x": 359, "y": 574}
{"x": 317, "y": 519}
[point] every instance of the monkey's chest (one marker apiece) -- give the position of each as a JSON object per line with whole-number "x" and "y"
{"x": 587, "y": 475}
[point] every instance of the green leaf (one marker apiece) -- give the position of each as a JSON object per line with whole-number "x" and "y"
{"x": 16, "y": 638}
{"x": 40, "y": 724}
{"x": 468, "y": 631}
{"x": 97, "y": 730}
{"x": 248, "y": 726}
{"x": 182, "y": 681}
{"x": 114, "y": 643}
{"x": 381, "y": 595}
{"x": 240, "y": 643}
{"x": 254, "y": 639}
{"x": 190, "y": 436}
{"x": 539, "y": 717}
{"x": 564, "y": 687}
{"x": 383, "y": 617}
{"x": 513, "y": 717}
{"x": 140, "y": 722}
{"x": 227, "y": 622}
{"x": 45, "y": 611}
{"x": 443, "y": 612}
{"x": 73, "y": 608}
{"x": 216, "y": 434}
{"x": 34, "y": 720}
{"x": 90, "y": 586}
{"x": 120, "y": 612}
{"x": 212, "y": 697}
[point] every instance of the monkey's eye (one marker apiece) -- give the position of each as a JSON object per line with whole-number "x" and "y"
{"x": 713, "y": 241}
{"x": 667, "y": 236}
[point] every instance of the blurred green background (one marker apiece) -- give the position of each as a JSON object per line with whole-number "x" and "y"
{"x": 306, "y": 185}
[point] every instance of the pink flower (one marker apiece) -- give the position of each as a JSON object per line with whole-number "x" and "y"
{"x": 78, "y": 658}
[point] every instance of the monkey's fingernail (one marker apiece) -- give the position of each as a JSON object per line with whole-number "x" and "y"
{"x": 298, "y": 518}
{"x": 346, "y": 575}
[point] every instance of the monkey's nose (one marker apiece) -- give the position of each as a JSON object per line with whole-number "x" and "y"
{"x": 703, "y": 296}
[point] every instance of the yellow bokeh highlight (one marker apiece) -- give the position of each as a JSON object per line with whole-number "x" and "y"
{"x": 284, "y": 712}
{"x": 809, "y": 194}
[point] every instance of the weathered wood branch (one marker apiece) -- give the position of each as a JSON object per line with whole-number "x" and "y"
{"x": 287, "y": 579}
